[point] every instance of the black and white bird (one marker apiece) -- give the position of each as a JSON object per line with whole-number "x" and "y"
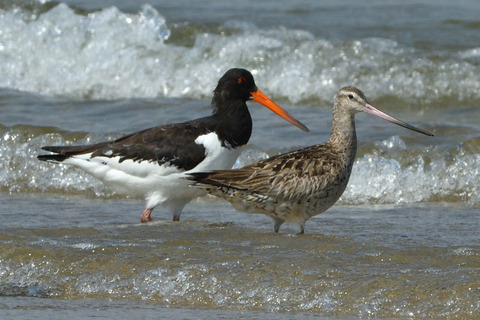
{"x": 298, "y": 185}
{"x": 153, "y": 163}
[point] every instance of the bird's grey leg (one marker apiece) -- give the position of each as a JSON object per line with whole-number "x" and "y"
{"x": 302, "y": 228}
{"x": 278, "y": 222}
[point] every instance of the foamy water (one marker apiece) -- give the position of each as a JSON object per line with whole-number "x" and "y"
{"x": 390, "y": 173}
{"x": 110, "y": 54}
{"x": 402, "y": 242}
{"x": 360, "y": 261}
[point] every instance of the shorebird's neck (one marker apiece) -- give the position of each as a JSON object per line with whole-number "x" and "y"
{"x": 343, "y": 136}
{"x": 234, "y": 122}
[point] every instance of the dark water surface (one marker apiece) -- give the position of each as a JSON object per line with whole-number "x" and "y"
{"x": 403, "y": 240}
{"x": 386, "y": 260}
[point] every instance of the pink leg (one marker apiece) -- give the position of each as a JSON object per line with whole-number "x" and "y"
{"x": 146, "y": 216}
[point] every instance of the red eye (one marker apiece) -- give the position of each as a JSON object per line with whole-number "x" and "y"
{"x": 242, "y": 80}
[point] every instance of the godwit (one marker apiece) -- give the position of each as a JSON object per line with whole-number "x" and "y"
{"x": 298, "y": 185}
{"x": 152, "y": 162}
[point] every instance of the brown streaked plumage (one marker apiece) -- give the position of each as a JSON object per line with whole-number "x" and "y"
{"x": 298, "y": 185}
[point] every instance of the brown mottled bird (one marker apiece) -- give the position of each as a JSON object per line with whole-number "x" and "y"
{"x": 298, "y": 185}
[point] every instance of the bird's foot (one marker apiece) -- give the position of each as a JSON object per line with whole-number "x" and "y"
{"x": 146, "y": 216}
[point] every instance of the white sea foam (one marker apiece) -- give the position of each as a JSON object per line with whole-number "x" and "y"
{"x": 111, "y": 54}
{"x": 403, "y": 177}
{"x": 20, "y": 170}
{"x": 391, "y": 173}
{"x": 84, "y": 246}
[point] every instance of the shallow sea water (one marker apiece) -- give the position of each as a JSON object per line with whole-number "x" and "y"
{"x": 383, "y": 261}
{"x": 402, "y": 242}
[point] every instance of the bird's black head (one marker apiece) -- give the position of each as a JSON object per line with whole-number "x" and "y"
{"x": 235, "y": 84}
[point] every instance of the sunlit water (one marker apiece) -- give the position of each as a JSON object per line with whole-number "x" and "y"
{"x": 386, "y": 261}
{"x": 401, "y": 242}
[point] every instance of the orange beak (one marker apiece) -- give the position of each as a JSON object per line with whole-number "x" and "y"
{"x": 261, "y": 98}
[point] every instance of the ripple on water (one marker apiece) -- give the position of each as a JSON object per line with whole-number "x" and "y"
{"x": 229, "y": 266}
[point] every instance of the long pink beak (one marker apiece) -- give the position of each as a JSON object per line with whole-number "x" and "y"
{"x": 374, "y": 111}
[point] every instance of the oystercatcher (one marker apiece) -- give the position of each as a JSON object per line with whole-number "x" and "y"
{"x": 152, "y": 162}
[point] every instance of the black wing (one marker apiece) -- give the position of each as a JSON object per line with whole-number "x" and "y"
{"x": 173, "y": 143}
